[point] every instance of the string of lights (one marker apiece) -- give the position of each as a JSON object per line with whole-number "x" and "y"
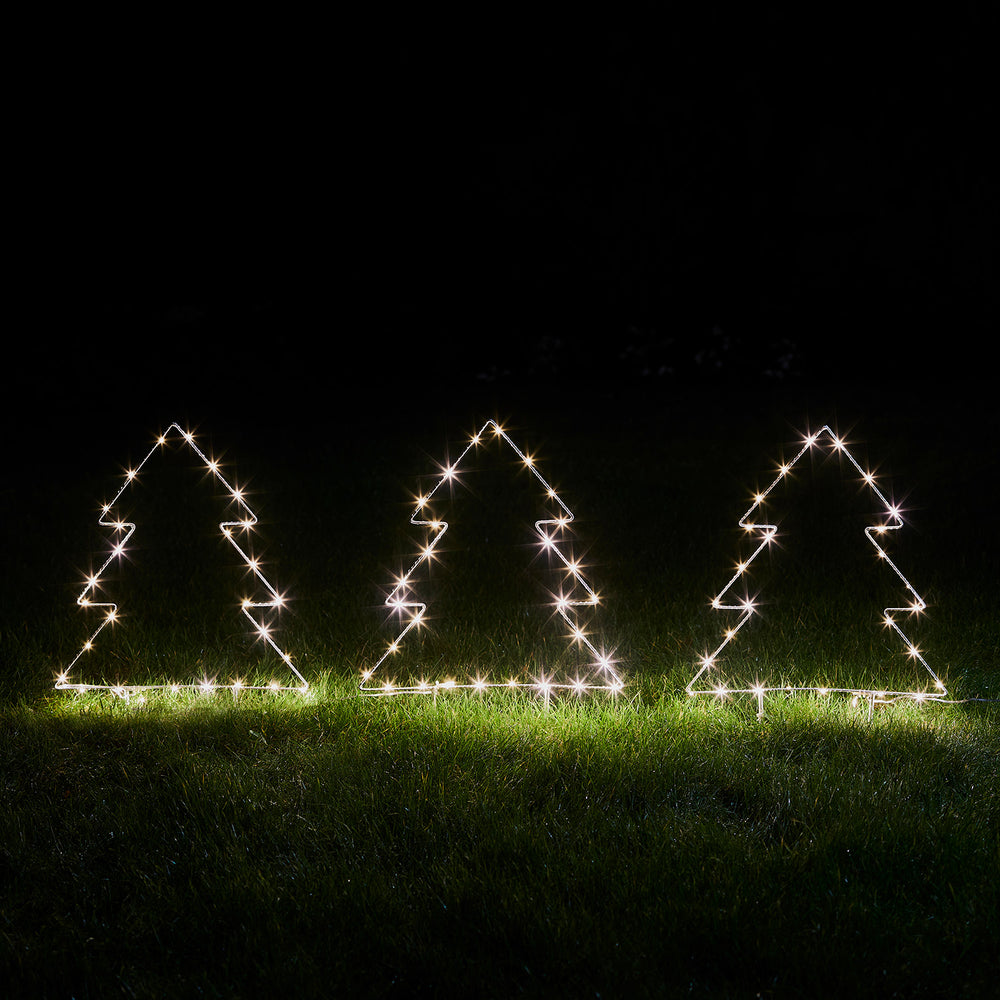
{"x": 764, "y": 533}
{"x": 550, "y": 532}
{"x": 232, "y": 530}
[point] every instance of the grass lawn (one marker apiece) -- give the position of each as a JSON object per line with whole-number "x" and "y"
{"x": 647, "y": 844}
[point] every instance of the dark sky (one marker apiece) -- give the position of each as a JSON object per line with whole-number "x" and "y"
{"x": 323, "y": 208}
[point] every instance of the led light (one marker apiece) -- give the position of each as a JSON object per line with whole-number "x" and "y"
{"x": 765, "y": 532}
{"x": 246, "y": 520}
{"x": 548, "y": 533}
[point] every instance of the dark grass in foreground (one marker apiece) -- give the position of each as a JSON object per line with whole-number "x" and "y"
{"x": 651, "y": 846}
{"x": 334, "y": 845}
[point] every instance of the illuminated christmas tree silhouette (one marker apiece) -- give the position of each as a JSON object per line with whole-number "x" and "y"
{"x": 713, "y": 675}
{"x": 567, "y": 603}
{"x": 259, "y": 605}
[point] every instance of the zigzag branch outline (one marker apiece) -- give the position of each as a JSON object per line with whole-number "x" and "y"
{"x": 547, "y": 529}
{"x": 767, "y": 532}
{"x": 126, "y": 530}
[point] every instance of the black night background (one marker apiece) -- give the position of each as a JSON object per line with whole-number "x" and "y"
{"x": 271, "y": 222}
{"x": 336, "y": 241}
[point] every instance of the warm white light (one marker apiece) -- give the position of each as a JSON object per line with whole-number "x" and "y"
{"x": 766, "y": 532}
{"x": 245, "y": 521}
{"x": 548, "y": 532}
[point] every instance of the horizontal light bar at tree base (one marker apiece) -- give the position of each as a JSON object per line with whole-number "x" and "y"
{"x": 708, "y": 672}
{"x": 231, "y": 531}
{"x": 603, "y": 675}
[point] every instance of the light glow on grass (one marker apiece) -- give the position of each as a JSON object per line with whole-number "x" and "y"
{"x": 766, "y": 532}
{"x": 231, "y": 531}
{"x": 549, "y": 530}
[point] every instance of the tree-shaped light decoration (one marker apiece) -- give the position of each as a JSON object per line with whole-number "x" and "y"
{"x": 254, "y": 610}
{"x": 550, "y": 534}
{"x": 764, "y": 533}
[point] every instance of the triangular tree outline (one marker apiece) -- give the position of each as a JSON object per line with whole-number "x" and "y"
{"x": 253, "y": 610}
{"x": 549, "y": 532}
{"x": 764, "y": 534}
